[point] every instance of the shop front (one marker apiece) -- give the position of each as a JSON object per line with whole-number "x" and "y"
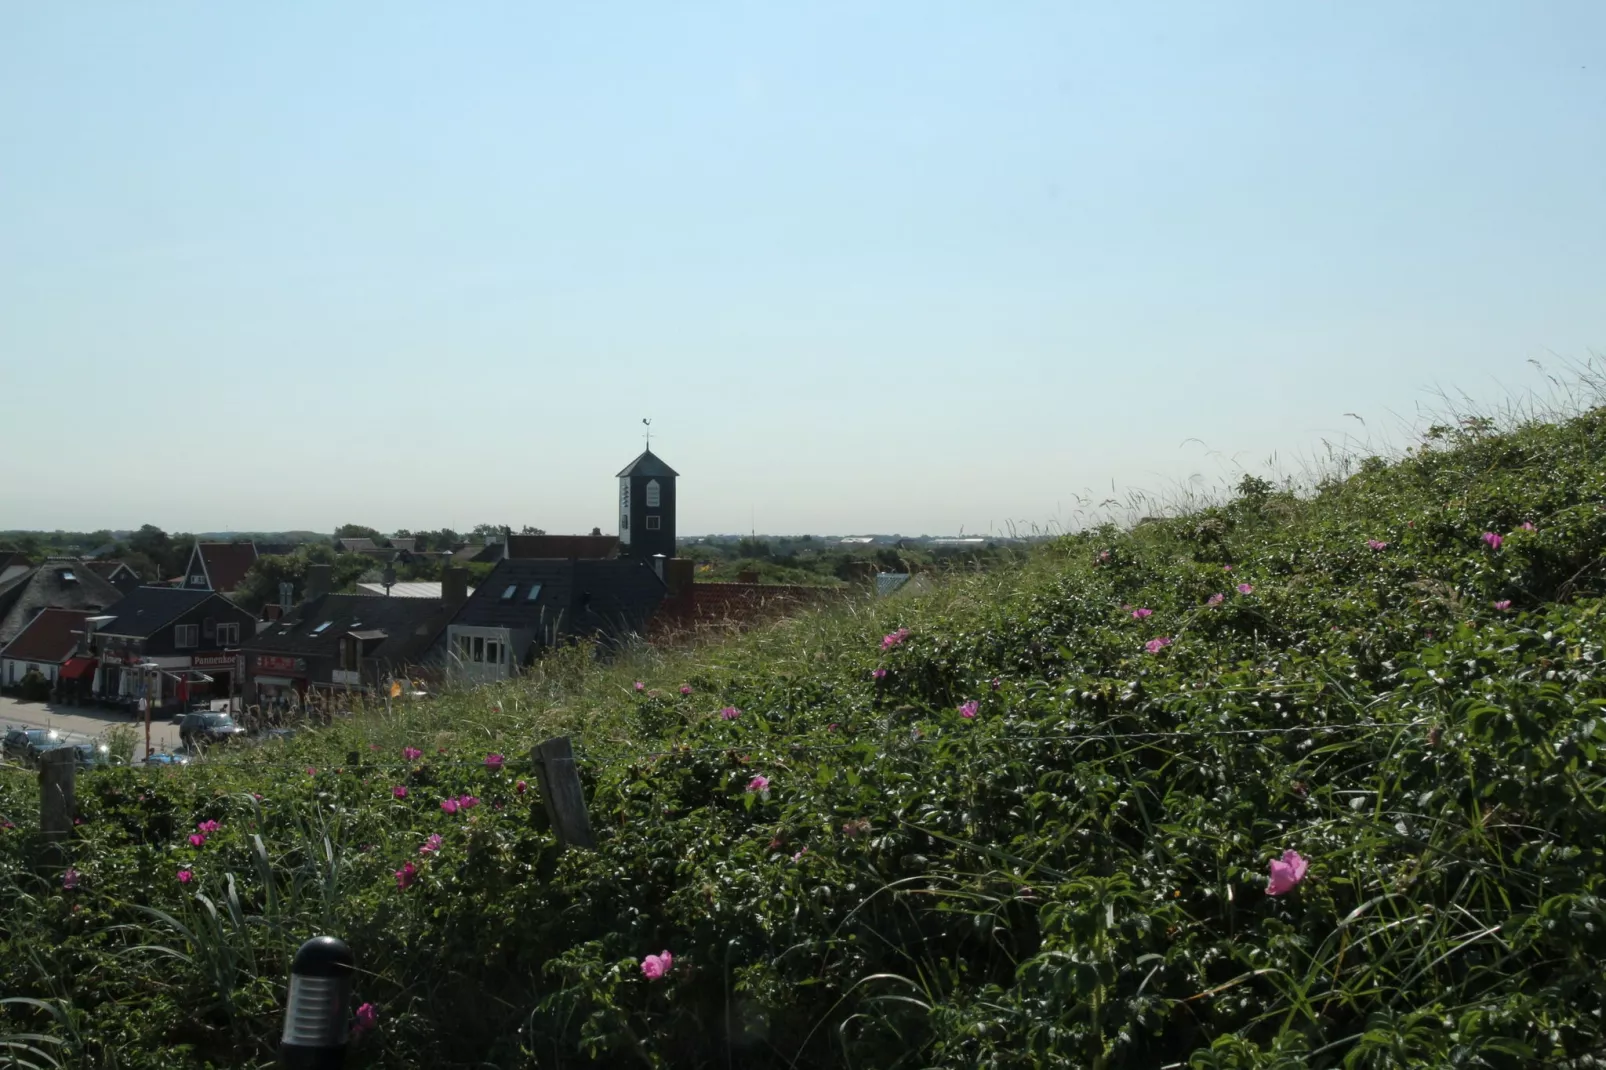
{"x": 213, "y": 674}
{"x": 277, "y": 679}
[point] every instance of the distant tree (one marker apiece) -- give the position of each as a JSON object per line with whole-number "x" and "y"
{"x": 360, "y": 531}
{"x": 530, "y": 529}
{"x": 151, "y": 541}
{"x": 754, "y": 548}
{"x": 485, "y": 532}
{"x": 261, "y": 584}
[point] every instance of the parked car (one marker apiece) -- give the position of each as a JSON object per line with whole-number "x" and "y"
{"x": 25, "y": 745}
{"x": 88, "y": 755}
{"x": 164, "y": 758}
{"x": 207, "y": 728}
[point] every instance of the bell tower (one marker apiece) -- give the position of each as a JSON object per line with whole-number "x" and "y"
{"x": 647, "y": 508}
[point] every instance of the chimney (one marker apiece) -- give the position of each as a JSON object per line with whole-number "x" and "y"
{"x": 679, "y": 574}
{"x": 319, "y": 579}
{"x": 454, "y": 586}
{"x": 272, "y": 611}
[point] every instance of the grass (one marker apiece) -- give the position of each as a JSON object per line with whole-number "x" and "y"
{"x": 1074, "y": 877}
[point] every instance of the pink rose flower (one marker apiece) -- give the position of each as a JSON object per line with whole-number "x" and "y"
{"x": 1286, "y": 872}
{"x": 654, "y": 967}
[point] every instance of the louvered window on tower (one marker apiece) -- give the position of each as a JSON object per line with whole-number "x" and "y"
{"x": 652, "y": 494}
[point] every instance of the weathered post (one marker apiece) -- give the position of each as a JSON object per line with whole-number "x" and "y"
{"x": 58, "y": 771}
{"x": 559, "y": 779}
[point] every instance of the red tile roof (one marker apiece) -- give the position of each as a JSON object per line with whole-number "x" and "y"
{"x": 48, "y": 637}
{"x": 227, "y": 563}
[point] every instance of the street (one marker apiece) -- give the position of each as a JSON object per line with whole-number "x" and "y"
{"x": 81, "y": 723}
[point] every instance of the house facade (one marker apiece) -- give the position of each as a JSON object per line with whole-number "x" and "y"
{"x": 50, "y": 644}
{"x": 169, "y": 643}
{"x": 527, "y": 606}
{"x": 338, "y": 643}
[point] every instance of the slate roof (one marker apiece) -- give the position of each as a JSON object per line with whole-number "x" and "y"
{"x": 226, "y": 563}
{"x": 143, "y": 612}
{"x": 357, "y": 546}
{"x": 613, "y": 597}
{"x": 48, "y": 637}
{"x": 572, "y": 546}
{"x": 117, "y": 573}
{"x": 410, "y": 627}
{"x": 647, "y": 465}
{"x": 414, "y": 589}
{"x": 49, "y": 586}
{"x": 491, "y": 551}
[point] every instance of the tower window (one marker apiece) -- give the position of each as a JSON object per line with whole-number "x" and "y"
{"x": 654, "y": 523}
{"x": 652, "y": 494}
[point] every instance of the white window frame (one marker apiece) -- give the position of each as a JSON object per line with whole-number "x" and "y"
{"x": 181, "y": 632}
{"x": 655, "y": 523}
{"x": 230, "y": 630}
{"x": 654, "y": 494}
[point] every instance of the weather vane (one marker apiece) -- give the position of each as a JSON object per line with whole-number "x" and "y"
{"x": 648, "y": 425}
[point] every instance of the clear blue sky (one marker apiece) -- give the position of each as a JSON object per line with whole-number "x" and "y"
{"x": 869, "y": 267}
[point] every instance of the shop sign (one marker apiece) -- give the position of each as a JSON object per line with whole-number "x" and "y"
{"x": 279, "y": 663}
{"x": 212, "y": 661}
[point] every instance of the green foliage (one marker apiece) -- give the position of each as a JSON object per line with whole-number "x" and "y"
{"x": 33, "y": 686}
{"x": 261, "y": 583}
{"x": 1075, "y": 877}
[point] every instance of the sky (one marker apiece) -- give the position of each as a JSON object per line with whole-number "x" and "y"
{"x": 914, "y": 267}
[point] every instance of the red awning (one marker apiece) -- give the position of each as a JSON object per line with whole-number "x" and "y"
{"x": 77, "y": 668}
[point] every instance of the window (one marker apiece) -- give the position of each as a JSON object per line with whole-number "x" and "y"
{"x": 462, "y": 648}
{"x": 187, "y": 635}
{"x": 319, "y": 629}
{"x": 479, "y": 648}
{"x": 493, "y": 652}
{"x": 507, "y": 592}
{"x": 348, "y": 653}
{"x": 652, "y": 494}
{"x": 654, "y": 523}
{"x": 228, "y": 634}
{"x": 535, "y": 592}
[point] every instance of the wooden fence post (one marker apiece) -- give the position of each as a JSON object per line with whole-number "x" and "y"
{"x": 58, "y": 770}
{"x": 559, "y": 779}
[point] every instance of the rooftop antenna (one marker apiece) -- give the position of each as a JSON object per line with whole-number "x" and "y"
{"x": 648, "y": 425}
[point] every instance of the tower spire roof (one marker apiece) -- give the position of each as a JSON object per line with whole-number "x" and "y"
{"x": 648, "y": 464}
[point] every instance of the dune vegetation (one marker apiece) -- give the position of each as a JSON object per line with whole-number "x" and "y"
{"x": 1284, "y": 780}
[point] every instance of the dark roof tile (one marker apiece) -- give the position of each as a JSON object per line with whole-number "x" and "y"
{"x": 408, "y": 627}
{"x": 51, "y": 636}
{"x": 60, "y": 582}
